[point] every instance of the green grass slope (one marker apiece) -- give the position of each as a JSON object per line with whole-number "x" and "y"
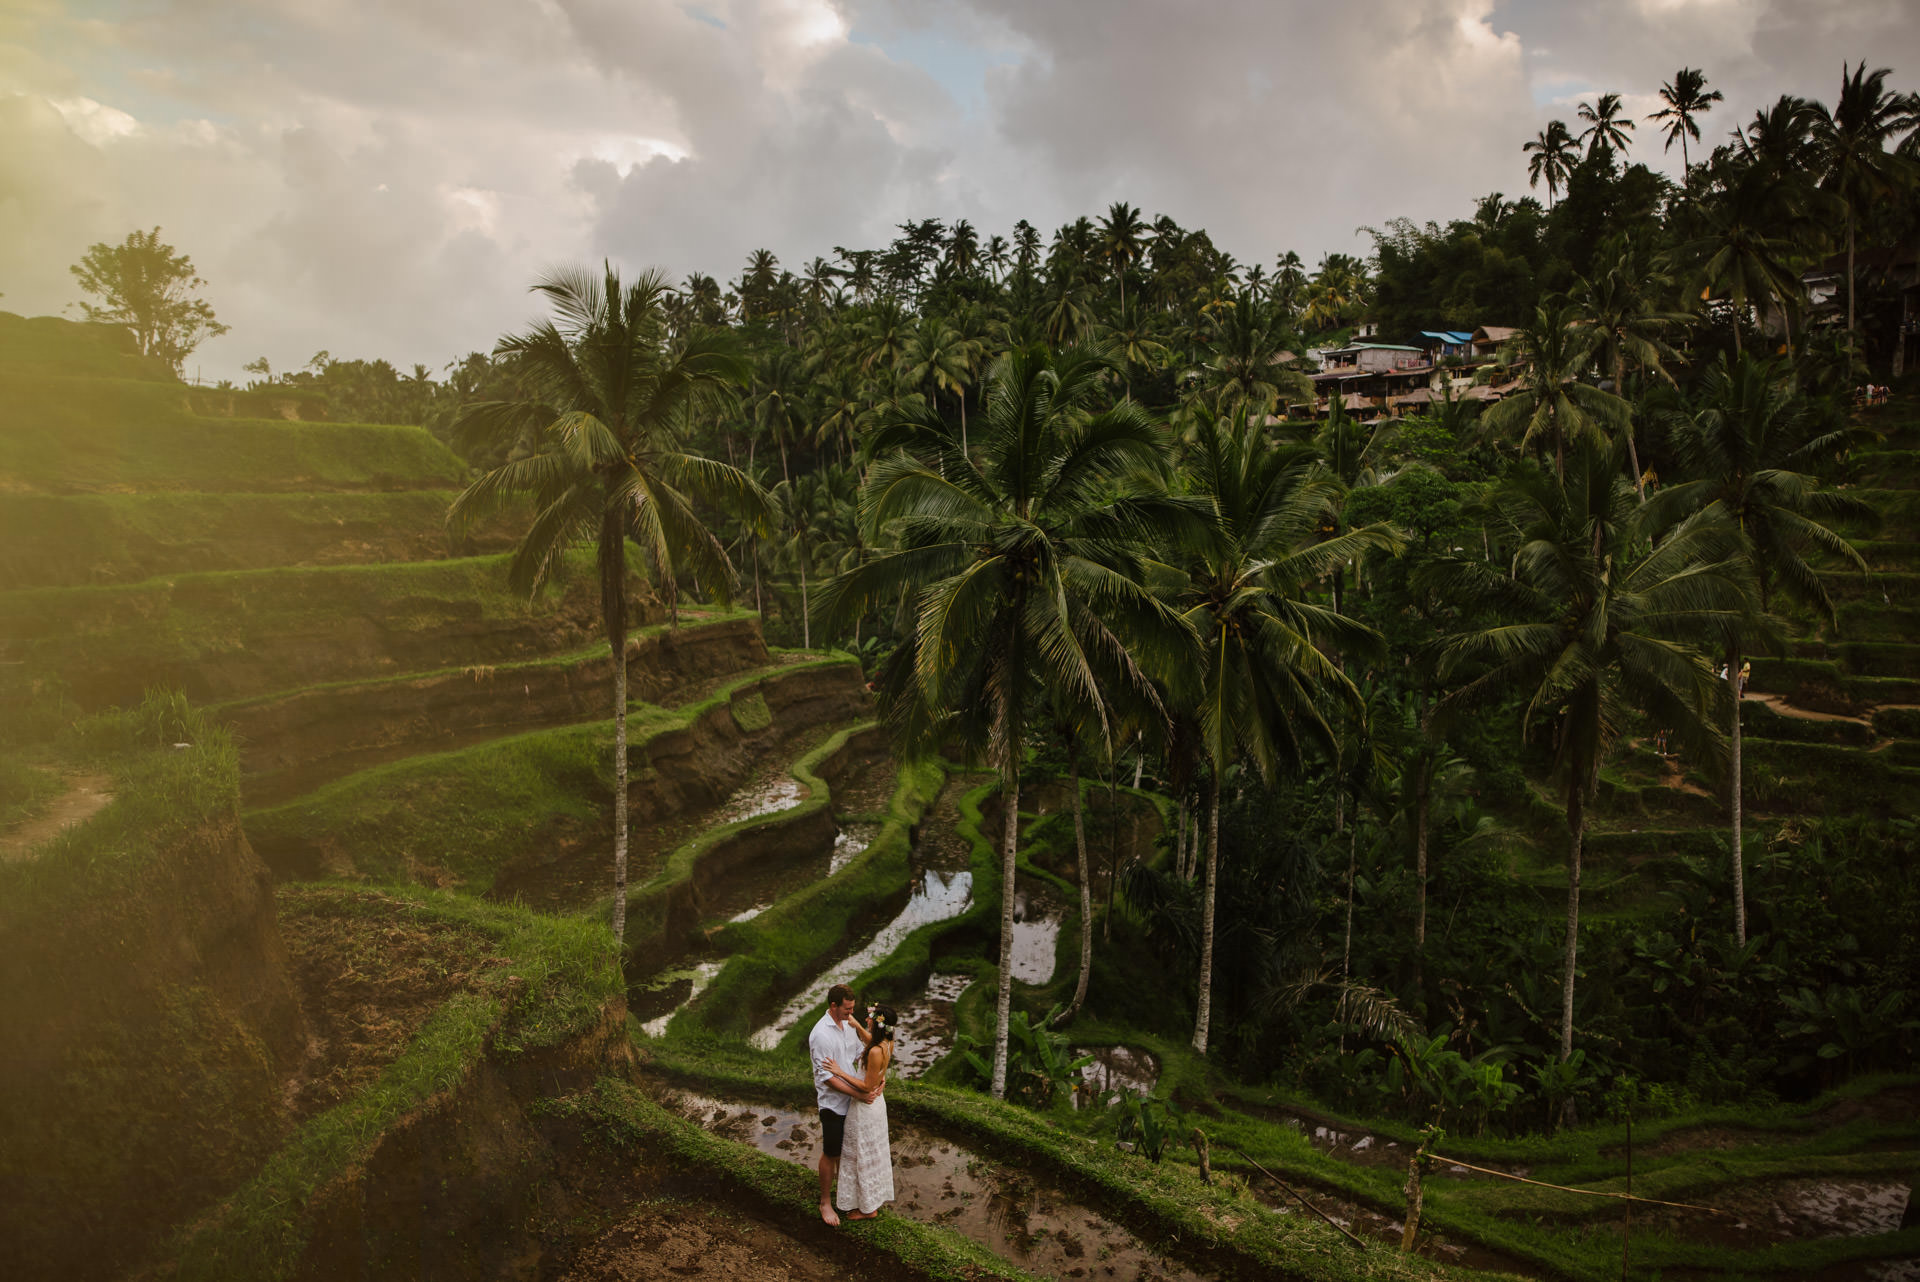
{"x": 56, "y": 540}
{"x": 68, "y": 435}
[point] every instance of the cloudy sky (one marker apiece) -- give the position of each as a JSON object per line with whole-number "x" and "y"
{"x": 385, "y": 177}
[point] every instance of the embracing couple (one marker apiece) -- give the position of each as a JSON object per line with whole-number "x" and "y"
{"x": 850, "y": 1063}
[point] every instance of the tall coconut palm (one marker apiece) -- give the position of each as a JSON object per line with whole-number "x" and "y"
{"x": 1736, "y": 253}
{"x": 1686, "y": 96}
{"x": 1619, "y": 305}
{"x": 1606, "y": 129}
{"x": 1135, "y": 345}
{"x": 603, "y": 392}
{"x": 805, "y": 505}
{"x": 1244, "y": 370}
{"x": 1551, "y": 401}
{"x": 1123, "y": 240}
{"x": 1602, "y": 621}
{"x": 1017, "y": 558}
{"x": 1554, "y": 154}
{"x": 1850, "y": 146}
{"x": 1265, "y": 678}
{"x": 1289, "y": 285}
{"x": 779, "y": 391}
{"x": 939, "y": 357}
{"x": 1746, "y": 452}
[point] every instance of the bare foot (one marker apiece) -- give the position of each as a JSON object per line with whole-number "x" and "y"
{"x": 828, "y": 1217}
{"x": 863, "y": 1215}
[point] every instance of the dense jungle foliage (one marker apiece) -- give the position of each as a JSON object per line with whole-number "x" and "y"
{"x": 1074, "y": 502}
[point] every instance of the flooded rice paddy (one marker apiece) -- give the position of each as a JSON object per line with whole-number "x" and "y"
{"x": 1116, "y": 1071}
{"x": 926, "y": 1028}
{"x": 937, "y": 896}
{"x": 1018, "y": 1217}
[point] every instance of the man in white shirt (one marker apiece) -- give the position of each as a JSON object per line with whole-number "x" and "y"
{"x": 834, "y": 1038}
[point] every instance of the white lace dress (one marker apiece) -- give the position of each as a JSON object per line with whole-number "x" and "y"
{"x": 866, "y": 1159}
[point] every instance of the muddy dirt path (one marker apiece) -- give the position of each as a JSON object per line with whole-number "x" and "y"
{"x": 85, "y": 797}
{"x": 1018, "y": 1217}
{"x": 670, "y": 1241}
{"x": 1778, "y": 702}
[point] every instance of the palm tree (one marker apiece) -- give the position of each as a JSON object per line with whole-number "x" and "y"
{"x": 778, "y": 388}
{"x": 941, "y": 358}
{"x": 1618, "y": 306}
{"x": 1134, "y": 344}
{"x": 603, "y": 391}
{"x": 1016, "y": 555}
{"x": 1243, "y": 371}
{"x": 1289, "y": 285}
{"x": 1850, "y": 145}
{"x": 963, "y": 249}
{"x": 1264, "y": 677}
{"x": 1743, "y": 451}
{"x": 1686, "y": 96}
{"x": 1603, "y": 620}
{"x": 1551, "y": 399}
{"x": 804, "y": 503}
{"x": 1123, "y": 239}
{"x": 1736, "y": 253}
{"x": 1553, "y": 158}
{"x": 1606, "y": 129}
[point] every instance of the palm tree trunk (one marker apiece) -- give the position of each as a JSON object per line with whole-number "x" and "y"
{"x": 1423, "y": 801}
{"x": 1620, "y": 390}
{"x": 806, "y": 611}
{"x": 1180, "y": 839}
{"x": 1576, "y": 830}
{"x": 963, "y": 422}
{"x": 1353, "y": 868}
{"x": 1734, "y": 800}
{"x": 1009, "y": 843}
{"x": 620, "y": 793}
{"x": 1086, "y": 888}
{"x": 1205, "y": 1014}
{"x": 1849, "y": 276}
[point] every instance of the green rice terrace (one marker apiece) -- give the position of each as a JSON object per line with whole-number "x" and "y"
{"x": 306, "y": 824}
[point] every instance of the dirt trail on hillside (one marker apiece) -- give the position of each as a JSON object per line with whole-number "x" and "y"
{"x": 670, "y": 1241}
{"x": 85, "y": 797}
{"x": 1778, "y": 702}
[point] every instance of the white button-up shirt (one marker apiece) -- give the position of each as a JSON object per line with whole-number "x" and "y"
{"x": 841, "y": 1044}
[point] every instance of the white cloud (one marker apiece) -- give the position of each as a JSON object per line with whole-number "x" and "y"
{"x": 386, "y": 178}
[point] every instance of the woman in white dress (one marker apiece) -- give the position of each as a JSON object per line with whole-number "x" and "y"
{"x": 866, "y": 1158}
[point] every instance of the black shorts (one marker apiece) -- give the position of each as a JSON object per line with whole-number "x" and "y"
{"x": 833, "y": 1130}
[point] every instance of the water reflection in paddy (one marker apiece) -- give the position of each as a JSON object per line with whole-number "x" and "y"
{"x": 936, "y": 896}
{"x": 656, "y": 1003}
{"x": 927, "y": 1025}
{"x": 1034, "y": 1224}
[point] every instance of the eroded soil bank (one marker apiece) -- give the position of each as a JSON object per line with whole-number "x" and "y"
{"x": 151, "y": 1022}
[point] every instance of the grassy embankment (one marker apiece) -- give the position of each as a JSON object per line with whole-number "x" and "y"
{"x": 556, "y": 979}
{"x": 81, "y": 435}
{"x": 467, "y": 814}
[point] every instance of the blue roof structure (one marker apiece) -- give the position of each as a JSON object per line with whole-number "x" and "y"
{"x": 1458, "y": 336}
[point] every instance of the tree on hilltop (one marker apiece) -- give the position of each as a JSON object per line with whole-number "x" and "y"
{"x": 143, "y": 284}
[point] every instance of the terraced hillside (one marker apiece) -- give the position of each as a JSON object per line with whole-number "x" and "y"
{"x": 323, "y": 986}
{"x": 1831, "y": 727}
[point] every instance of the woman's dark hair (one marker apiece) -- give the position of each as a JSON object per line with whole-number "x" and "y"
{"x": 884, "y": 1022}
